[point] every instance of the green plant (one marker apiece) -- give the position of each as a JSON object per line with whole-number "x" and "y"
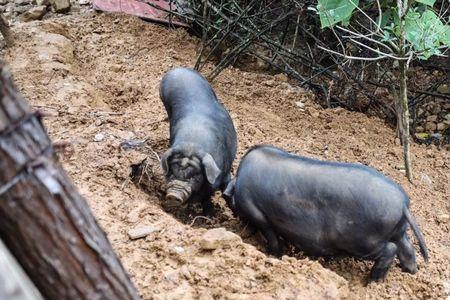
{"x": 401, "y": 31}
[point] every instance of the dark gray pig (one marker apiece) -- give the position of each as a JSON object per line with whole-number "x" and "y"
{"x": 202, "y": 139}
{"x": 325, "y": 208}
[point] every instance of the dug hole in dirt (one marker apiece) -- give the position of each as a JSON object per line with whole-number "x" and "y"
{"x": 98, "y": 76}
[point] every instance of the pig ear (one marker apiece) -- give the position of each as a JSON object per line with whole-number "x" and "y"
{"x": 211, "y": 169}
{"x": 164, "y": 158}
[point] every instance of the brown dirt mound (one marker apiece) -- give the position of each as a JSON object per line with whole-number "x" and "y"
{"x": 99, "y": 76}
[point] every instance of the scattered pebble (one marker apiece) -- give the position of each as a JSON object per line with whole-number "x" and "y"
{"x": 444, "y": 218}
{"x": 142, "y": 231}
{"x": 178, "y": 250}
{"x": 218, "y": 238}
{"x": 99, "y": 137}
{"x": 300, "y": 104}
{"x": 426, "y": 179}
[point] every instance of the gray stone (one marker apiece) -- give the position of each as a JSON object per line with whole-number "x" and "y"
{"x": 43, "y": 2}
{"x": 60, "y": 6}
{"x": 426, "y": 179}
{"x": 22, "y": 9}
{"x": 22, "y": 2}
{"x": 2, "y": 8}
{"x": 447, "y": 117}
{"x": 36, "y": 13}
{"x": 419, "y": 129}
{"x": 432, "y": 118}
{"x": 84, "y": 2}
{"x": 218, "y": 238}
{"x": 300, "y": 104}
{"x": 444, "y": 218}
{"x": 440, "y": 126}
{"x": 444, "y": 89}
{"x": 430, "y": 126}
{"x": 141, "y": 231}
{"x": 3, "y": 2}
{"x": 99, "y": 137}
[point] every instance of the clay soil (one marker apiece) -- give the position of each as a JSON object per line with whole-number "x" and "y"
{"x": 98, "y": 77}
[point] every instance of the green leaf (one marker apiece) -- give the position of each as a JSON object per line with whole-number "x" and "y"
{"x": 425, "y": 32}
{"x": 427, "y": 2}
{"x": 332, "y": 12}
{"x": 445, "y": 39}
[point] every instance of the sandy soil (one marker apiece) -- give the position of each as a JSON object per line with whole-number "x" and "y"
{"x": 98, "y": 75}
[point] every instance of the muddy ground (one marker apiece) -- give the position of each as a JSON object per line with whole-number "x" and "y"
{"x": 98, "y": 76}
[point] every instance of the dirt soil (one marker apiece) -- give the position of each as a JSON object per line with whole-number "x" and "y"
{"x": 98, "y": 77}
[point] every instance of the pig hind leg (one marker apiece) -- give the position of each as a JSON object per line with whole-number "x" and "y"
{"x": 383, "y": 262}
{"x": 406, "y": 254}
{"x": 257, "y": 218}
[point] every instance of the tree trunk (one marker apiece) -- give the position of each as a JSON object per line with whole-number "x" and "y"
{"x": 14, "y": 283}
{"x": 4, "y": 29}
{"x": 44, "y": 221}
{"x": 404, "y": 120}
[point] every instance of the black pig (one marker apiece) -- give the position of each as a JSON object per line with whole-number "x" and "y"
{"x": 202, "y": 139}
{"x": 325, "y": 208}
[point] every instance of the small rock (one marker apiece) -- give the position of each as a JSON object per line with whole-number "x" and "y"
{"x": 141, "y": 231}
{"x": 314, "y": 114}
{"x": 444, "y": 89}
{"x": 84, "y": 2}
{"x": 447, "y": 122}
{"x": 426, "y": 179}
{"x": 430, "y": 126}
{"x": 3, "y": 2}
{"x": 420, "y": 129}
{"x": 60, "y": 6}
{"x": 436, "y": 136}
{"x": 446, "y": 286}
{"x": 43, "y": 2}
{"x": 99, "y": 137}
{"x": 432, "y": 118}
{"x": 36, "y": 13}
{"x": 218, "y": 238}
{"x": 440, "y": 126}
{"x": 21, "y": 9}
{"x": 178, "y": 250}
{"x": 115, "y": 68}
{"x": 281, "y": 77}
{"x": 420, "y": 112}
{"x": 172, "y": 276}
{"x": 447, "y": 117}
{"x": 300, "y": 104}
{"x": 21, "y": 2}
{"x": 444, "y": 218}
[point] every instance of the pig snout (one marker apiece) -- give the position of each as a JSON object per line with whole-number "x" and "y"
{"x": 178, "y": 192}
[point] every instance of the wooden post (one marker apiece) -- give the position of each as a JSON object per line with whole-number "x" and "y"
{"x": 14, "y": 283}
{"x": 44, "y": 221}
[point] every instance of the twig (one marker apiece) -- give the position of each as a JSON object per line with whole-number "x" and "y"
{"x": 357, "y": 57}
{"x": 200, "y": 217}
{"x": 204, "y": 35}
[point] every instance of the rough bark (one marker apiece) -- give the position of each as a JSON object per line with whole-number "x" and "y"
{"x": 14, "y": 283}
{"x": 44, "y": 221}
{"x": 4, "y": 29}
